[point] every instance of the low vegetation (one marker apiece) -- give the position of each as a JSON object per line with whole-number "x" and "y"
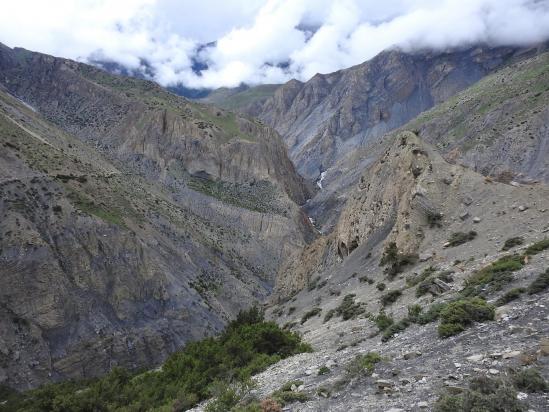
{"x": 248, "y": 345}
{"x": 461, "y": 314}
{"x": 483, "y": 394}
{"x": 540, "y": 284}
{"x": 390, "y": 297}
{"x": 395, "y": 260}
{"x": 494, "y": 276}
{"x": 459, "y": 238}
{"x": 510, "y": 296}
{"x": 512, "y": 242}
{"x": 362, "y": 365}
{"x": 308, "y": 315}
{"x": 289, "y": 393}
{"x": 537, "y": 247}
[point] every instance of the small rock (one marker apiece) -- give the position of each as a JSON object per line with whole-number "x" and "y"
{"x": 308, "y": 372}
{"x": 412, "y": 355}
{"x": 455, "y": 390}
{"x": 330, "y": 364}
{"x": 404, "y": 381}
{"x": 475, "y": 358}
{"x": 464, "y": 215}
{"x": 476, "y": 219}
{"x": 496, "y": 355}
{"x": 513, "y": 183}
{"x": 522, "y": 208}
{"x": 395, "y": 410}
{"x": 423, "y": 405}
{"x": 293, "y": 388}
{"x": 493, "y": 372}
{"x": 512, "y": 354}
{"x": 457, "y": 365}
{"x": 424, "y": 257}
{"x": 521, "y": 396}
{"x": 544, "y": 346}
{"x": 383, "y": 383}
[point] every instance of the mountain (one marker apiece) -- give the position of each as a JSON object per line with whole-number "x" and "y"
{"x": 240, "y": 98}
{"x": 133, "y": 220}
{"x": 331, "y": 115}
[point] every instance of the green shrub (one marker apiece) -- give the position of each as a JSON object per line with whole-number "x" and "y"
{"x": 414, "y": 312}
{"x": 512, "y": 242}
{"x": 483, "y": 395}
{"x": 248, "y": 345}
{"x": 395, "y": 328}
{"x": 458, "y": 315}
{"x": 537, "y": 247}
{"x": 530, "y": 380}
{"x": 329, "y": 315}
{"x": 390, "y": 297}
{"x": 349, "y": 309}
{"x": 511, "y": 295}
{"x": 493, "y": 276}
{"x": 459, "y": 238}
{"x": 308, "y": 315}
{"x": 362, "y": 364}
{"x": 285, "y": 395}
{"x": 324, "y": 370}
{"x": 383, "y": 321}
{"x": 381, "y": 286}
{"x": 432, "y": 314}
{"x": 395, "y": 260}
{"x": 540, "y": 283}
{"x": 364, "y": 279}
{"x": 412, "y": 281}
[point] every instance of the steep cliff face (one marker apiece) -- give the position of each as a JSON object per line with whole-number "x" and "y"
{"x": 132, "y": 220}
{"x": 139, "y": 122}
{"x": 331, "y": 115}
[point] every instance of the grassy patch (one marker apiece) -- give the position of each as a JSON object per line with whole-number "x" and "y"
{"x": 530, "y": 380}
{"x": 461, "y": 314}
{"x": 395, "y": 260}
{"x": 537, "y": 247}
{"x": 362, "y": 365}
{"x": 286, "y": 395}
{"x": 493, "y": 276}
{"x": 349, "y": 309}
{"x": 383, "y": 321}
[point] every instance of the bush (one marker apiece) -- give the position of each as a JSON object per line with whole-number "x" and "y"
{"x": 248, "y": 345}
{"x": 484, "y": 394}
{"x": 395, "y": 328}
{"x": 324, "y": 370}
{"x": 349, "y": 309}
{"x": 414, "y": 312}
{"x": 383, "y": 321}
{"x": 537, "y": 247}
{"x": 459, "y": 238}
{"x": 494, "y": 276}
{"x": 308, "y": 315}
{"x": 285, "y": 395}
{"x": 329, "y": 315}
{"x": 390, "y": 297}
{"x": 432, "y": 314}
{"x": 512, "y": 242}
{"x": 381, "y": 286}
{"x": 362, "y": 365}
{"x": 459, "y": 315}
{"x": 530, "y": 380}
{"x": 412, "y": 281}
{"x": 540, "y": 283}
{"x": 511, "y": 295}
{"x": 395, "y": 260}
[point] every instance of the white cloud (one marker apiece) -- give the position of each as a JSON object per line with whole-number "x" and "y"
{"x": 258, "y": 41}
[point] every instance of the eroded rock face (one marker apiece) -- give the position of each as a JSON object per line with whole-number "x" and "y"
{"x": 331, "y": 115}
{"x": 132, "y": 221}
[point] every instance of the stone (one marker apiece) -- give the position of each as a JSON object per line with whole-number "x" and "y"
{"x": 515, "y": 184}
{"x": 475, "y": 358}
{"x": 383, "y": 383}
{"x": 423, "y": 405}
{"x": 522, "y": 396}
{"x": 395, "y": 410}
{"x": 544, "y": 346}
{"x": 293, "y": 388}
{"x": 512, "y": 354}
{"x": 308, "y": 372}
{"x": 464, "y": 215}
{"x": 412, "y": 355}
{"x": 330, "y": 364}
{"x": 476, "y": 219}
{"x": 496, "y": 355}
{"x": 522, "y": 208}
{"x": 493, "y": 372}
{"x": 424, "y": 257}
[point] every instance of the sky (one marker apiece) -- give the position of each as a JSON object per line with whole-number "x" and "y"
{"x": 260, "y": 41}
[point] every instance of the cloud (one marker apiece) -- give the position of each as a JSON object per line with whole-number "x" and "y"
{"x": 261, "y": 41}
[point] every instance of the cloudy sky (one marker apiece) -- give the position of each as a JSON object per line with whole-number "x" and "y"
{"x": 260, "y": 41}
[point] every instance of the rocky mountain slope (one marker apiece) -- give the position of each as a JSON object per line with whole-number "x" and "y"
{"x": 132, "y": 220}
{"x": 418, "y": 235}
{"x": 329, "y": 116}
